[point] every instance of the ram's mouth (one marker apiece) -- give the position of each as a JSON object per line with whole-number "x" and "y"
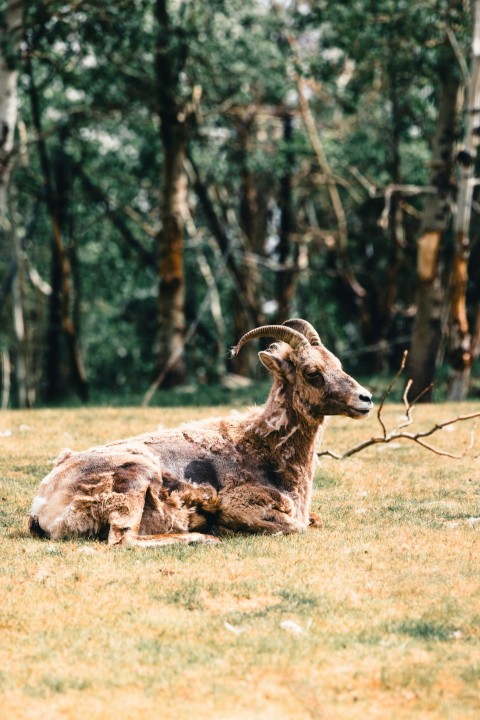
{"x": 359, "y": 412}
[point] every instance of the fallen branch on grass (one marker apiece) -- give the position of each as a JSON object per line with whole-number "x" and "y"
{"x": 397, "y": 432}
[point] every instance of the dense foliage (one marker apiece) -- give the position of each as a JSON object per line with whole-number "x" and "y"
{"x": 82, "y": 227}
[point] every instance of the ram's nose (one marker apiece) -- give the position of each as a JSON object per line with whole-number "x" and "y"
{"x": 366, "y": 397}
{"x": 364, "y": 402}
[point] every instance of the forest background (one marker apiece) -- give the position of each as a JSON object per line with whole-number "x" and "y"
{"x": 174, "y": 173}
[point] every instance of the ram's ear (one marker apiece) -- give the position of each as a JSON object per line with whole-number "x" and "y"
{"x": 283, "y": 368}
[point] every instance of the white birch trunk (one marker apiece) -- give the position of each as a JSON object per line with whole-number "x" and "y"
{"x": 8, "y": 102}
{"x": 17, "y": 296}
{"x": 460, "y": 338}
{"x": 13, "y": 17}
{"x": 6, "y": 372}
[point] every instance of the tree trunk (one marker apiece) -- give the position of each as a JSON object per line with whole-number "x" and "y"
{"x": 170, "y": 59}
{"x": 172, "y": 281}
{"x": 12, "y": 24}
{"x": 427, "y": 330}
{"x": 475, "y": 349}
{"x": 6, "y": 373}
{"x": 68, "y": 291}
{"x": 396, "y": 228}
{"x": 53, "y": 386}
{"x": 286, "y": 278}
{"x": 253, "y": 223}
{"x": 18, "y": 295}
{"x": 460, "y": 349}
{"x": 60, "y": 320}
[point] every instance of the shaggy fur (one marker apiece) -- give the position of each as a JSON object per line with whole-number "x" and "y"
{"x": 250, "y": 473}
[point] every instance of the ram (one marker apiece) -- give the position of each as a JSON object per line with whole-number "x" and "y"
{"x": 246, "y": 473}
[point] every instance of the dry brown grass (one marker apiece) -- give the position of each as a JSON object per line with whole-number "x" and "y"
{"x": 386, "y": 596}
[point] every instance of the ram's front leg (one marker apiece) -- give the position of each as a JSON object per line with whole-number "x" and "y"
{"x": 127, "y": 527}
{"x": 151, "y": 518}
{"x": 315, "y": 520}
{"x": 132, "y": 539}
{"x": 257, "y": 509}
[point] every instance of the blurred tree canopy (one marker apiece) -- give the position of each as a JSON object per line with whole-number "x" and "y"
{"x": 175, "y": 173}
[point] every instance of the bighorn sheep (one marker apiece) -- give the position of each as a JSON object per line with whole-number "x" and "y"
{"x": 252, "y": 473}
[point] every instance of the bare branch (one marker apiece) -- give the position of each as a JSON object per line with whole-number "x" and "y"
{"x": 437, "y": 451}
{"x": 440, "y": 426}
{"x": 388, "y": 391}
{"x": 472, "y": 438}
{"x": 409, "y": 405}
{"x": 403, "y": 190}
{"x": 397, "y": 434}
{"x": 458, "y": 52}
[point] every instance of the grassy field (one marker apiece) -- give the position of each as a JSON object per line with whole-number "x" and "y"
{"x": 377, "y": 615}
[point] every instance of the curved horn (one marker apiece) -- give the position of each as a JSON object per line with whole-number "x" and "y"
{"x": 278, "y": 332}
{"x": 304, "y": 327}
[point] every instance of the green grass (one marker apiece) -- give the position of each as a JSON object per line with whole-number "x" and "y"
{"x": 385, "y": 598}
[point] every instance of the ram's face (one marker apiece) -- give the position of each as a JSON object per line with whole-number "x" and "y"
{"x": 317, "y": 383}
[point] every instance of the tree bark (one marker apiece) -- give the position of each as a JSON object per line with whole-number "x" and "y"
{"x": 286, "y": 278}
{"x": 60, "y": 317}
{"x": 172, "y": 280}
{"x": 460, "y": 344}
{"x": 253, "y": 222}
{"x": 18, "y": 315}
{"x": 383, "y": 312}
{"x": 68, "y": 291}
{"x": 427, "y": 330}
{"x": 6, "y": 373}
{"x": 12, "y": 24}
{"x": 170, "y": 59}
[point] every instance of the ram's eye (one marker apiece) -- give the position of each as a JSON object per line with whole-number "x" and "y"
{"x": 315, "y": 378}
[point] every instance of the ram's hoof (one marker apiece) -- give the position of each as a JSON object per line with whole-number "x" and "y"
{"x": 315, "y": 521}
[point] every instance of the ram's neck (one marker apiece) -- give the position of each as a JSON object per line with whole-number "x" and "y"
{"x": 288, "y": 439}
